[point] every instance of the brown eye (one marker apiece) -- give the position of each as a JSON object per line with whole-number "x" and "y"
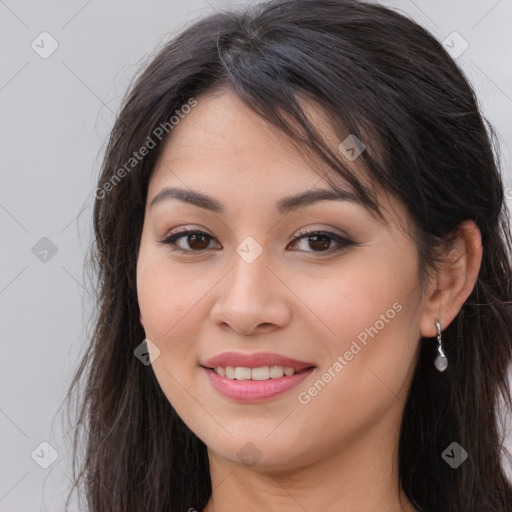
{"x": 320, "y": 241}
{"x": 197, "y": 241}
{"x": 189, "y": 241}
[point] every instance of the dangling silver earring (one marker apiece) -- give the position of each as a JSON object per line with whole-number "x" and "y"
{"x": 441, "y": 362}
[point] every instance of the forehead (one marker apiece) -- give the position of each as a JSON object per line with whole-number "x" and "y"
{"x": 223, "y": 140}
{"x": 223, "y": 149}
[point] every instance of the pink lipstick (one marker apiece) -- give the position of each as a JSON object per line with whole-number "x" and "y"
{"x": 255, "y": 377}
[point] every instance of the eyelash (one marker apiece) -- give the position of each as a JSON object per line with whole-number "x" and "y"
{"x": 343, "y": 242}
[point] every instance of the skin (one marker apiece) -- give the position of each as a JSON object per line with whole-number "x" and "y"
{"x": 338, "y": 452}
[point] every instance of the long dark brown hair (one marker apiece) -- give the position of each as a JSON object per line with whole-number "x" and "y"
{"x": 380, "y": 76}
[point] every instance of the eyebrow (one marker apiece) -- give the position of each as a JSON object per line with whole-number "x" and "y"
{"x": 284, "y": 205}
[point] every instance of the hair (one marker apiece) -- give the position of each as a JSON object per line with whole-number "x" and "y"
{"x": 380, "y": 76}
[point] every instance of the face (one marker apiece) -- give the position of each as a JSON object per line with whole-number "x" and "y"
{"x": 313, "y": 306}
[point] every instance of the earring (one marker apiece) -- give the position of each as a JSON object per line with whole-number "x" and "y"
{"x": 441, "y": 362}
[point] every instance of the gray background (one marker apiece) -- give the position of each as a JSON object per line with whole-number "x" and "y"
{"x": 55, "y": 116}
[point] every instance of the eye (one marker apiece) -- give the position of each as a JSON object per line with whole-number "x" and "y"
{"x": 321, "y": 241}
{"x": 190, "y": 240}
{"x": 197, "y": 241}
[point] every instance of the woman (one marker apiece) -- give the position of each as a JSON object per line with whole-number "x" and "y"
{"x": 304, "y": 275}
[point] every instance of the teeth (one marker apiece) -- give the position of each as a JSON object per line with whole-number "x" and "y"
{"x": 276, "y": 372}
{"x": 261, "y": 373}
{"x": 242, "y": 373}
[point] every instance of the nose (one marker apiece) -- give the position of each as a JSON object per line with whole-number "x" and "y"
{"x": 251, "y": 299}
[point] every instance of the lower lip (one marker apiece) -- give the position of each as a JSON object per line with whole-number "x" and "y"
{"x": 255, "y": 390}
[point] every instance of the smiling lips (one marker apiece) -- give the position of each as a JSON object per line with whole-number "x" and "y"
{"x": 255, "y": 377}
{"x": 260, "y": 373}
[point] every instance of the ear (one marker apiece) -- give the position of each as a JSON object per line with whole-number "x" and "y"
{"x": 141, "y": 321}
{"x": 449, "y": 288}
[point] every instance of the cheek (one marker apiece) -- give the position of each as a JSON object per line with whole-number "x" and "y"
{"x": 171, "y": 305}
{"x": 370, "y": 312}
{"x": 371, "y": 290}
{"x": 169, "y": 300}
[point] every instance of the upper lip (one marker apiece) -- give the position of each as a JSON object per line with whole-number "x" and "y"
{"x": 255, "y": 360}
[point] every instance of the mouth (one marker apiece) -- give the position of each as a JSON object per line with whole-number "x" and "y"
{"x": 255, "y": 377}
{"x": 259, "y": 373}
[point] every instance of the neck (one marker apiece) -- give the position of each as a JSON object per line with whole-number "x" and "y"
{"x": 362, "y": 477}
